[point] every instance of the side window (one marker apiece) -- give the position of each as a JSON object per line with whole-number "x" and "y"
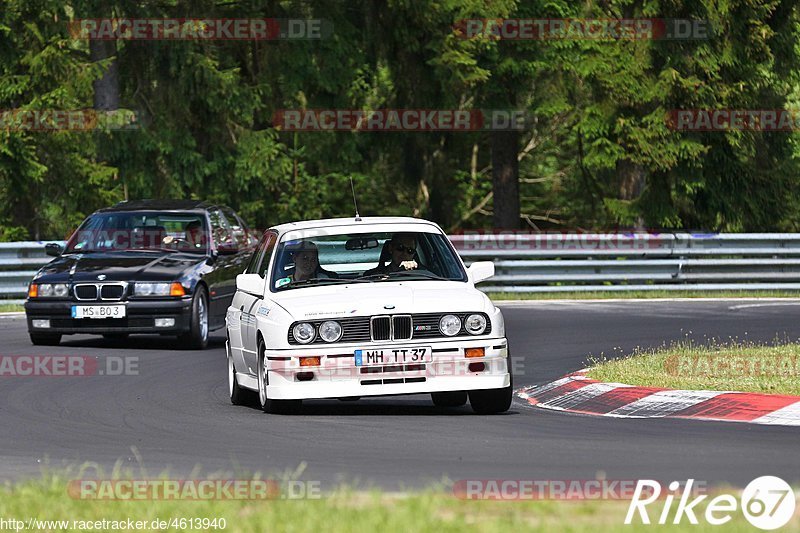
{"x": 252, "y": 240}
{"x": 220, "y": 229}
{"x": 259, "y": 262}
{"x": 238, "y": 230}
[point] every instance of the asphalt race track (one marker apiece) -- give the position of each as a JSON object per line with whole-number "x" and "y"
{"x": 176, "y": 414}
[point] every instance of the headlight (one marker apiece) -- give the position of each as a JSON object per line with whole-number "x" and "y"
{"x": 330, "y": 331}
{"x": 50, "y": 290}
{"x": 450, "y": 325}
{"x": 303, "y": 333}
{"x": 151, "y": 289}
{"x": 475, "y": 324}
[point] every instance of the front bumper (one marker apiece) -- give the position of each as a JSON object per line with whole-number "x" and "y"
{"x": 140, "y": 317}
{"x": 337, "y": 375}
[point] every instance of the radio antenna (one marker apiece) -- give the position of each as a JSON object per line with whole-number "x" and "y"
{"x": 352, "y": 188}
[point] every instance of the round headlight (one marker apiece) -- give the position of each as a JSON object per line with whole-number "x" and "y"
{"x": 475, "y": 324}
{"x": 303, "y": 333}
{"x": 450, "y": 325}
{"x": 45, "y": 289}
{"x": 330, "y": 331}
{"x": 60, "y": 289}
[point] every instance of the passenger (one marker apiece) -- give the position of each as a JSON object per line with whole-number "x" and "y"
{"x": 306, "y": 263}
{"x": 194, "y": 234}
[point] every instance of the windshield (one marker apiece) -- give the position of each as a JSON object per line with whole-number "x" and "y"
{"x": 364, "y": 258}
{"x": 149, "y": 231}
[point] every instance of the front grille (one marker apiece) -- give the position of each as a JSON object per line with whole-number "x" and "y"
{"x": 102, "y": 291}
{"x": 391, "y": 381}
{"x": 85, "y": 292}
{"x": 362, "y": 329}
{"x": 381, "y": 328}
{"x": 402, "y": 327}
{"x": 111, "y": 292}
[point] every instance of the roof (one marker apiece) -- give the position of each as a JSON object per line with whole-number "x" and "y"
{"x": 157, "y": 205}
{"x": 349, "y": 221}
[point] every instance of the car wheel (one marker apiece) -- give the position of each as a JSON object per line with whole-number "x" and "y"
{"x": 197, "y": 337}
{"x": 239, "y": 396}
{"x": 492, "y": 401}
{"x": 267, "y": 405}
{"x": 449, "y": 399}
{"x": 45, "y": 339}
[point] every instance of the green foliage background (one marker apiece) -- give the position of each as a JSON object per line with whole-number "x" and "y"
{"x": 598, "y": 154}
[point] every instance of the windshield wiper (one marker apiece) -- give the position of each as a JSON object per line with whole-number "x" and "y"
{"x": 409, "y": 273}
{"x": 404, "y": 273}
{"x": 323, "y": 280}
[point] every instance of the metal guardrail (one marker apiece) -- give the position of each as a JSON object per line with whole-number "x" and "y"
{"x": 19, "y": 261}
{"x": 566, "y": 262}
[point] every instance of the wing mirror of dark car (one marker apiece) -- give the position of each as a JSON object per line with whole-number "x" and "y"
{"x": 360, "y": 243}
{"x": 53, "y": 249}
{"x": 227, "y": 248}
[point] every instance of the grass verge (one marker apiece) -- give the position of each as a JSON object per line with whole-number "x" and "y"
{"x": 342, "y": 510}
{"x": 606, "y": 295}
{"x": 11, "y": 308}
{"x": 734, "y": 366}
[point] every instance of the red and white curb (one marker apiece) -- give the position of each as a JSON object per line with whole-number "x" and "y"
{"x": 576, "y": 393}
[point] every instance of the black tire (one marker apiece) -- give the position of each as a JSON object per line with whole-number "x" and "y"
{"x": 197, "y": 337}
{"x": 45, "y": 339}
{"x": 493, "y": 401}
{"x": 490, "y": 401}
{"x": 449, "y": 399}
{"x": 239, "y": 396}
{"x": 275, "y": 407}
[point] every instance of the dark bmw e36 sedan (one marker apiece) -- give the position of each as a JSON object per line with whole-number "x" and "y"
{"x": 145, "y": 266}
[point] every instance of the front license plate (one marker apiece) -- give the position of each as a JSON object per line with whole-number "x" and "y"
{"x": 98, "y": 311}
{"x": 391, "y": 356}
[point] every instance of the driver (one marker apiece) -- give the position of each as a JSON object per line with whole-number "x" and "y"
{"x": 401, "y": 249}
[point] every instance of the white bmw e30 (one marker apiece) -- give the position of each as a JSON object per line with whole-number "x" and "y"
{"x": 347, "y": 308}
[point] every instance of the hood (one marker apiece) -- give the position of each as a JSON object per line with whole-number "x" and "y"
{"x": 117, "y": 266}
{"x": 365, "y": 299}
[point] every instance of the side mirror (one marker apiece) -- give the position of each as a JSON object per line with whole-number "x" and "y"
{"x": 228, "y": 248}
{"x": 480, "y": 271}
{"x": 52, "y": 249}
{"x": 250, "y": 283}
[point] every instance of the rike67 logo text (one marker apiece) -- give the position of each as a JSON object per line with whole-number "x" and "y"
{"x": 767, "y": 502}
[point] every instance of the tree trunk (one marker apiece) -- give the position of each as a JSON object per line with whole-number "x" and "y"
{"x": 106, "y": 89}
{"x": 505, "y": 178}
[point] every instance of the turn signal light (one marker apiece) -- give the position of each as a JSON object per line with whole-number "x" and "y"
{"x": 176, "y": 289}
{"x": 309, "y": 361}
{"x": 33, "y": 290}
{"x": 474, "y": 352}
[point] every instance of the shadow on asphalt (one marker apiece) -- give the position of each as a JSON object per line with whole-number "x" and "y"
{"x": 137, "y": 342}
{"x": 369, "y": 407}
